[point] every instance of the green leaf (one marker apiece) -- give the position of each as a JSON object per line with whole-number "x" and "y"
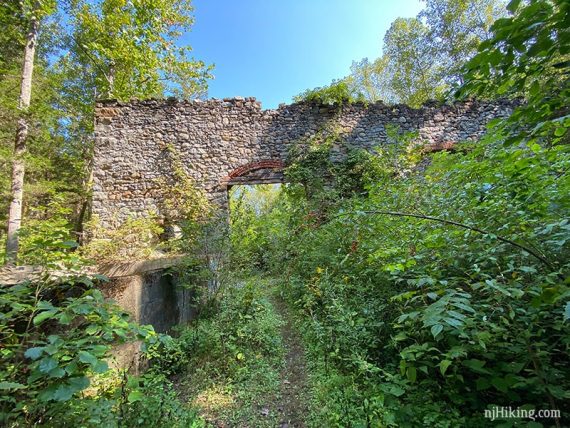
{"x": 86, "y": 357}
{"x": 559, "y": 132}
{"x": 79, "y": 383}
{"x": 411, "y": 374}
{"x": 92, "y": 329}
{"x": 403, "y": 366}
{"x": 58, "y": 372}
{"x": 135, "y": 396}
{"x": 100, "y": 367}
{"x": 7, "y": 386}
{"x": 476, "y": 366}
{"x": 47, "y": 364}
{"x": 482, "y": 384}
{"x": 63, "y": 393}
{"x": 436, "y": 329}
{"x": 393, "y": 389}
{"x": 443, "y": 366}
{"x": 500, "y": 384}
{"x": 66, "y": 318}
{"x": 41, "y": 317}
{"x": 34, "y": 353}
{"x": 45, "y": 305}
{"x": 513, "y": 5}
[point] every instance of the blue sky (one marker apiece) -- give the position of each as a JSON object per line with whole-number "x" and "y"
{"x": 275, "y": 49}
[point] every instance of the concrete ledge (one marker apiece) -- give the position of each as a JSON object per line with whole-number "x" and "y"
{"x": 16, "y": 275}
{"x": 119, "y": 270}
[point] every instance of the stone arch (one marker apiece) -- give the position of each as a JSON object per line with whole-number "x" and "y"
{"x": 264, "y": 171}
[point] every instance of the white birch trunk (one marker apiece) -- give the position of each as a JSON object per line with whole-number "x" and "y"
{"x": 18, "y": 165}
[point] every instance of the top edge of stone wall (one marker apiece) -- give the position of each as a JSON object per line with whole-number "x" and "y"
{"x": 253, "y": 102}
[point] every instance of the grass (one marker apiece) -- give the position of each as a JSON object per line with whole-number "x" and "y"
{"x": 233, "y": 376}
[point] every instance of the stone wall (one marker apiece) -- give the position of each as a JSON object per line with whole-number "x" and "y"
{"x": 234, "y": 141}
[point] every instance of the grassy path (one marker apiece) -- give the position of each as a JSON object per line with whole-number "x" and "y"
{"x": 294, "y": 399}
{"x": 264, "y": 388}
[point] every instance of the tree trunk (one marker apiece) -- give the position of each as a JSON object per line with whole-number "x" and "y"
{"x": 18, "y": 165}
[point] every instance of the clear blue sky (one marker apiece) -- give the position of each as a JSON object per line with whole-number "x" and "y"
{"x": 275, "y": 49}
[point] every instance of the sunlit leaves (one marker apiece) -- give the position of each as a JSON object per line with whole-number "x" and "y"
{"x": 527, "y": 57}
{"x": 131, "y": 48}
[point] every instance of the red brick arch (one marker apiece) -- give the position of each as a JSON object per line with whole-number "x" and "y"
{"x": 439, "y": 147}
{"x": 253, "y": 166}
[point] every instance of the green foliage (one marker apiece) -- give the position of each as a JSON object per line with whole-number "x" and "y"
{"x": 183, "y": 215}
{"x": 415, "y": 74}
{"x": 49, "y": 241}
{"x": 428, "y": 290}
{"x": 123, "y": 400}
{"x": 527, "y": 57}
{"x": 335, "y": 94}
{"x": 135, "y": 239}
{"x": 434, "y": 290}
{"x": 183, "y": 201}
{"x": 85, "y": 50}
{"x": 398, "y": 308}
{"x": 183, "y": 206}
{"x": 130, "y": 48}
{"x": 55, "y": 337}
{"x": 422, "y": 57}
{"x": 456, "y": 29}
{"x": 241, "y": 329}
{"x": 227, "y": 361}
{"x": 252, "y": 233}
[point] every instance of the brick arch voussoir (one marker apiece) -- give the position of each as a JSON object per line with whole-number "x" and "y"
{"x": 253, "y": 166}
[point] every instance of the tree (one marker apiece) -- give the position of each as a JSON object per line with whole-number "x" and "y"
{"x": 423, "y": 56}
{"x": 368, "y": 80}
{"x": 529, "y": 57}
{"x": 11, "y": 38}
{"x": 35, "y": 11}
{"x": 129, "y": 48}
{"x": 414, "y": 75}
{"x": 456, "y": 28}
{"x": 94, "y": 49}
{"x": 125, "y": 50}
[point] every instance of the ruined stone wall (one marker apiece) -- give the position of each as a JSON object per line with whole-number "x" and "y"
{"x": 222, "y": 142}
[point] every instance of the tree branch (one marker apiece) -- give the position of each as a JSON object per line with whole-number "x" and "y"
{"x": 455, "y": 223}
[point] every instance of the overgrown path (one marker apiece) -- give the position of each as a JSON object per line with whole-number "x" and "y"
{"x": 294, "y": 394}
{"x": 249, "y": 368}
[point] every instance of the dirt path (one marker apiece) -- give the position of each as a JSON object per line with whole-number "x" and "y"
{"x": 294, "y": 400}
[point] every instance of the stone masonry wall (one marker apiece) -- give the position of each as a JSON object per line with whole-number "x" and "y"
{"x": 231, "y": 141}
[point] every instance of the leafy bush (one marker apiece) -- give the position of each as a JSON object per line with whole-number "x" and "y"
{"x": 148, "y": 400}
{"x": 57, "y": 339}
{"x": 448, "y": 281}
{"x": 227, "y": 361}
{"x": 135, "y": 239}
{"x": 239, "y": 331}
{"x": 336, "y": 94}
{"x": 55, "y": 336}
